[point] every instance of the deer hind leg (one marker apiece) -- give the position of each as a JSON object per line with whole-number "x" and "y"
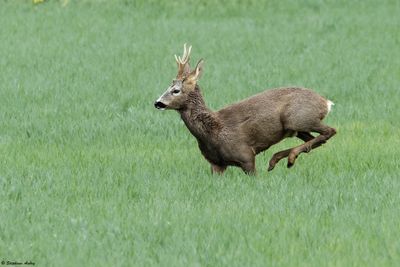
{"x": 325, "y": 132}
{"x": 277, "y": 157}
{"x": 305, "y": 136}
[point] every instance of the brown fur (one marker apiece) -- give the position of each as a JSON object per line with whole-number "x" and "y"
{"x": 234, "y": 135}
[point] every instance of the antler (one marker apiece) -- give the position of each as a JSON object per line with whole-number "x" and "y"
{"x": 183, "y": 62}
{"x": 185, "y": 56}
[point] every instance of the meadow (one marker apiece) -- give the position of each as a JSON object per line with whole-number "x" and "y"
{"x": 91, "y": 174}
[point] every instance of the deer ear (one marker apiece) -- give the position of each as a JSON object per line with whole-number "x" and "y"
{"x": 186, "y": 69}
{"x": 183, "y": 70}
{"x": 198, "y": 70}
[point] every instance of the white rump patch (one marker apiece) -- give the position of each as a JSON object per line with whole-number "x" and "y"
{"x": 329, "y": 104}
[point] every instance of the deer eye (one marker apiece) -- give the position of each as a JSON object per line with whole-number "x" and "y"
{"x": 176, "y": 92}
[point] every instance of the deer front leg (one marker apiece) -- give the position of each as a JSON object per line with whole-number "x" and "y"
{"x": 215, "y": 169}
{"x": 247, "y": 160}
{"x": 249, "y": 168}
{"x": 248, "y": 163}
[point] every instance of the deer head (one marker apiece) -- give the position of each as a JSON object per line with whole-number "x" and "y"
{"x": 176, "y": 95}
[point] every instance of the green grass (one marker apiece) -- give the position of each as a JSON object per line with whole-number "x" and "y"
{"x": 92, "y": 175}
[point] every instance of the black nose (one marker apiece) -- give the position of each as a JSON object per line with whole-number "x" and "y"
{"x": 159, "y": 104}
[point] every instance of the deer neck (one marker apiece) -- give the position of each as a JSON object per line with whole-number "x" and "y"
{"x": 201, "y": 121}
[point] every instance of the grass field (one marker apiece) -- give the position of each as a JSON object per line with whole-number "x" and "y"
{"x": 91, "y": 174}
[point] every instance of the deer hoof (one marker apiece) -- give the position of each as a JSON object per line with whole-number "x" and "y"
{"x": 291, "y": 160}
{"x": 272, "y": 164}
{"x": 271, "y": 167}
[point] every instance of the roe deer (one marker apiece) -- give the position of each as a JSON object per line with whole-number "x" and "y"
{"x": 234, "y": 135}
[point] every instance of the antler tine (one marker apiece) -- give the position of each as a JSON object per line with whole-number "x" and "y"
{"x": 184, "y": 51}
{"x": 188, "y": 54}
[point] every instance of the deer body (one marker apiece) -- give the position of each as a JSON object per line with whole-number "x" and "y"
{"x": 234, "y": 135}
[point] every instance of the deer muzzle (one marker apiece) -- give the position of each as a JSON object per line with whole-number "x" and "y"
{"x": 160, "y": 105}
